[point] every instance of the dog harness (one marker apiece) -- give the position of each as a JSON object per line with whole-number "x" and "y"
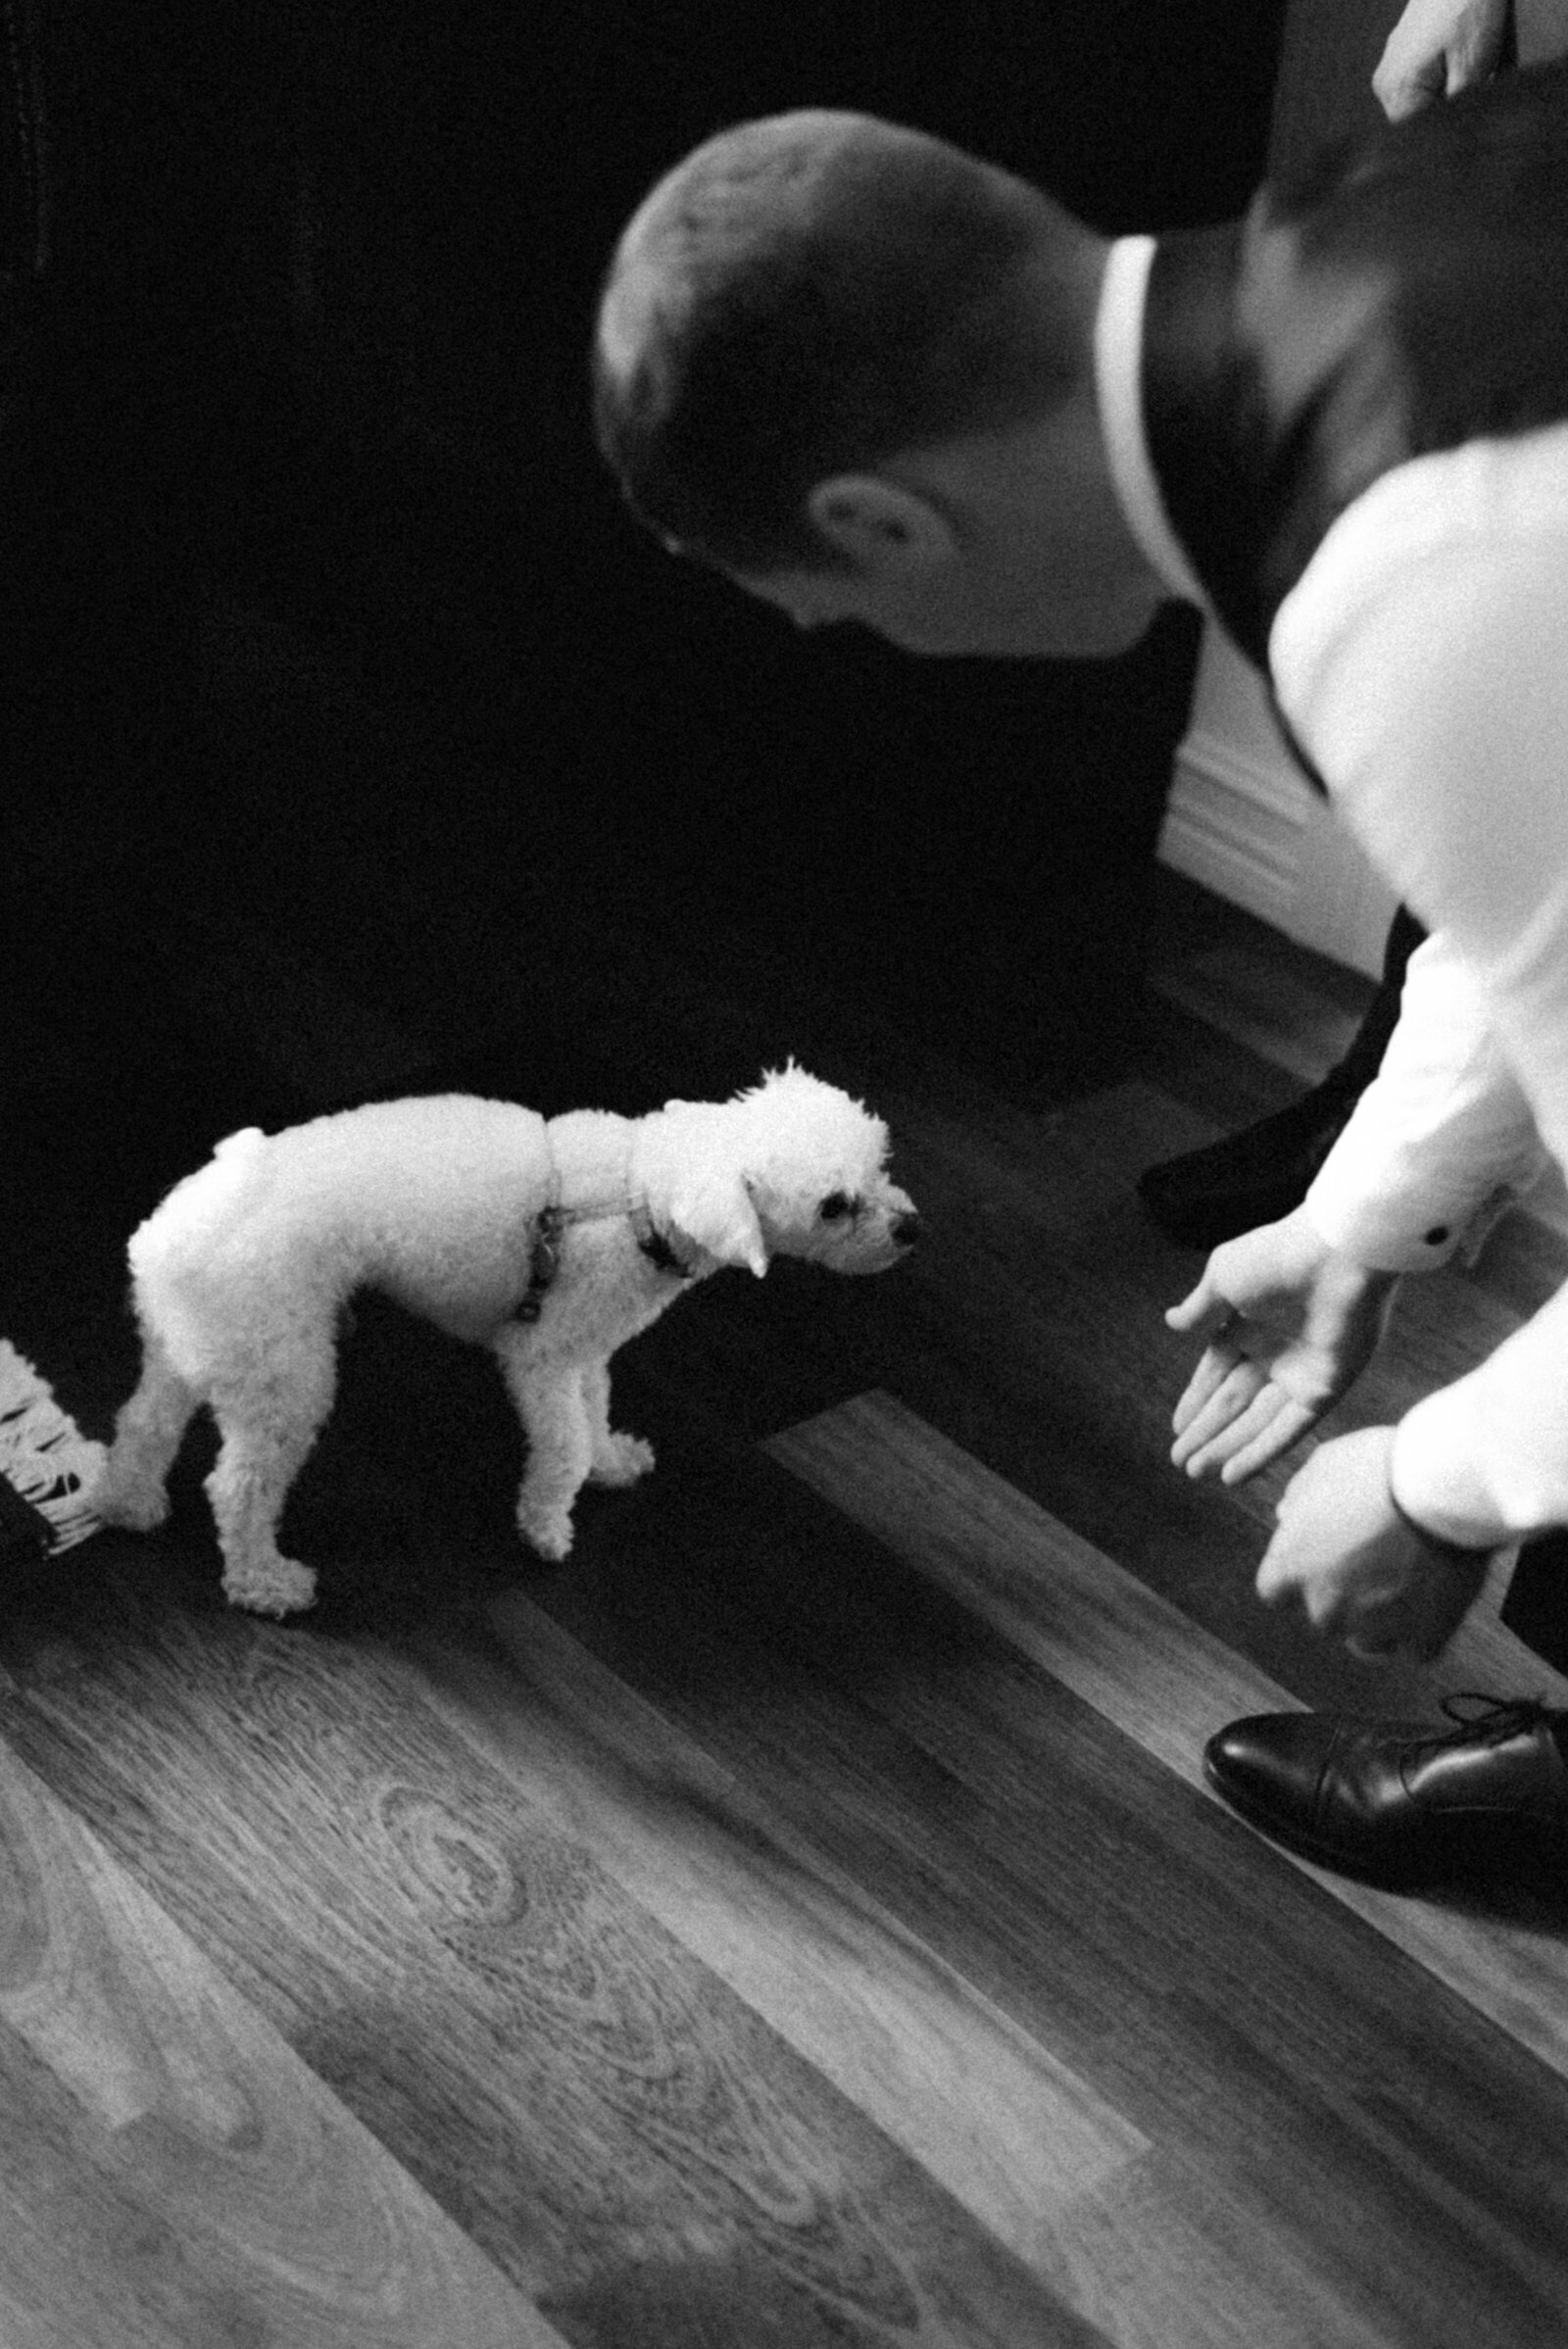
{"x": 544, "y": 1247}
{"x": 543, "y": 1263}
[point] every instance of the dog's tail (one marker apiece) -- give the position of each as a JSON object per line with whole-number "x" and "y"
{"x": 201, "y": 1209}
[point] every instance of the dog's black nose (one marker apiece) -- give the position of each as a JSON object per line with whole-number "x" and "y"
{"x": 907, "y": 1230}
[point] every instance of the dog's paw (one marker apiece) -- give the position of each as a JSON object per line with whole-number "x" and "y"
{"x": 138, "y": 1503}
{"x": 545, "y": 1527}
{"x": 623, "y": 1460}
{"x": 280, "y": 1587}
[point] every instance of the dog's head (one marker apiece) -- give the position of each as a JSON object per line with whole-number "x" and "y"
{"x": 792, "y": 1167}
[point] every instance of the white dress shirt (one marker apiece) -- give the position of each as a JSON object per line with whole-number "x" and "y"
{"x": 1422, "y": 662}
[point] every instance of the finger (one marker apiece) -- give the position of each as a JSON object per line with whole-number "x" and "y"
{"x": 1208, "y": 1441}
{"x": 1401, "y": 90}
{"x": 1407, "y": 96}
{"x": 1276, "y": 1576}
{"x": 1215, "y": 1367}
{"x": 1274, "y": 1438}
{"x": 1473, "y": 54}
{"x": 1202, "y": 1309}
{"x": 1271, "y": 1424}
{"x": 1260, "y": 1411}
{"x": 1273, "y": 1589}
{"x": 1232, "y": 1397}
{"x": 1212, "y": 1438}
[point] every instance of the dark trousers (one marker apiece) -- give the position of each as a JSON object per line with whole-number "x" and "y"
{"x": 1536, "y": 1609}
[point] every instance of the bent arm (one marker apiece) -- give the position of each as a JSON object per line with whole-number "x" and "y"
{"x": 1424, "y": 659}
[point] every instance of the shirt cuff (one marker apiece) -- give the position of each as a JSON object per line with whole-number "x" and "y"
{"x": 1485, "y": 1461}
{"x": 1405, "y": 1234}
{"x": 1434, "y": 1478}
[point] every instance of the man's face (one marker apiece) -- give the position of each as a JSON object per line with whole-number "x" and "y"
{"x": 916, "y": 619}
{"x": 1007, "y": 546}
{"x": 952, "y": 614}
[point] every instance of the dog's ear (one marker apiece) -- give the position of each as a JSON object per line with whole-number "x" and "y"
{"x": 714, "y": 1210}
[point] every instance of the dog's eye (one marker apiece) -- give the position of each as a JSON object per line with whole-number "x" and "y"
{"x": 836, "y": 1205}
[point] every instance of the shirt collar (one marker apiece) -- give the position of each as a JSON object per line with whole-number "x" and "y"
{"x": 1118, "y": 386}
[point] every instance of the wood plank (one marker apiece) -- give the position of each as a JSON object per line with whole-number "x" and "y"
{"x": 987, "y": 2110}
{"x": 170, "y": 2169}
{"x": 822, "y": 1833}
{"x": 1164, "y": 1682}
{"x": 614, "y": 2128}
{"x": 1029, "y": 1328}
{"x": 1300, "y": 1031}
{"x": 1134, "y": 2238}
{"x": 1296, "y": 2073}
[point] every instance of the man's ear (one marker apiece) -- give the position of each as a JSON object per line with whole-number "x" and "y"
{"x": 879, "y": 525}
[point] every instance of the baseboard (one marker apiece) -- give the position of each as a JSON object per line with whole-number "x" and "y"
{"x": 1235, "y": 824}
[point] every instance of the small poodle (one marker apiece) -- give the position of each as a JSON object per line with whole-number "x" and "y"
{"x": 548, "y": 1240}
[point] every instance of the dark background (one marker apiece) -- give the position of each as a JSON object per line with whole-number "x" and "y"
{"x": 310, "y": 568}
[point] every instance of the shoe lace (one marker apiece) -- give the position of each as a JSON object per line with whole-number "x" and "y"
{"x": 1481, "y": 1717}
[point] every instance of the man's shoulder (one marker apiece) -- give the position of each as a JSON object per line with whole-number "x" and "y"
{"x": 1468, "y": 533}
{"x": 1486, "y": 494}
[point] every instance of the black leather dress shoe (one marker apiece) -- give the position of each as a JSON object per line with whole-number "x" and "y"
{"x": 1400, "y": 1802}
{"x": 1246, "y": 1179}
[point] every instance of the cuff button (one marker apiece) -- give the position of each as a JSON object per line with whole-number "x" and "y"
{"x": 1437, "y": 1236}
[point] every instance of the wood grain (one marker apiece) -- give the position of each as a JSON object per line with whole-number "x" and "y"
{"x": 984, "y": 2107}
{"x": 1144, "y": 1666}
{"x": 1134, "y": 1928}
{"x": 798, "y": 1919}
{"x": 1036, "y": 1230}
{"x": 1147, "y": 2246}
{"x": 623, "y": 2139}
{"x": 1300, "y": 1029}
{"x": 170, "y": 2169}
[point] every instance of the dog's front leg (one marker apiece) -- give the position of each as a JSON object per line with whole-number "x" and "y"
{"x": 617, "y": 1459}
{"x": 549, "y": 1401}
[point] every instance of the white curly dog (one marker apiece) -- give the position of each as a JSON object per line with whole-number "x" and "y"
{"x": 548, "y": 1240}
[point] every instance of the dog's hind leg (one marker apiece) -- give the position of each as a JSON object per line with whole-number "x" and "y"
{"x": 549, "y": 1402}
{"x": 617, "y": 1459}
{"x": 268, "y": 1431}
{"x": 130, "y": 1488}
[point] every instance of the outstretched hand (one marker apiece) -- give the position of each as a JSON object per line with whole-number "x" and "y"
{"x": 1290, "y": 1325}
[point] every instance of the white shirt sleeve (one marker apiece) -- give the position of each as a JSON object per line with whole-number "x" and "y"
{"x": 1442, "y": 1135}
{"x": 1423, "y": 659}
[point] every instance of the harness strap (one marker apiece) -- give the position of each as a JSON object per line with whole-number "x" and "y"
{"x": 544, "y": 1248}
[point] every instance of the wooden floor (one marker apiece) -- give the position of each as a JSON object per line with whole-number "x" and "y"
{"x": 800, "y": 1920}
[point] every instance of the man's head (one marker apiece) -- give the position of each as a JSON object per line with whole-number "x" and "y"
{"x": 851, "y": 366}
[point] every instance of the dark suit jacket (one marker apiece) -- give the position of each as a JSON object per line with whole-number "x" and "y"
{"x": 1409, "y": 294}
